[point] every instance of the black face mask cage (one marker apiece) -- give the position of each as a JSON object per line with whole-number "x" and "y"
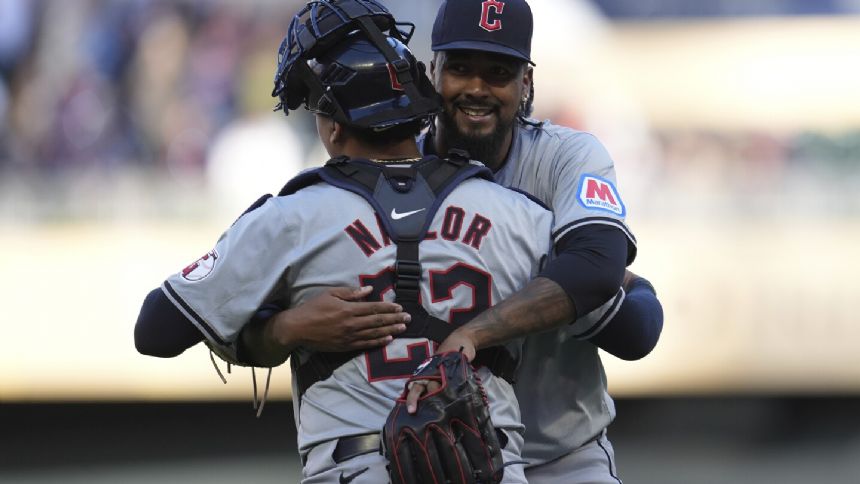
{"x": 322, "y": 23}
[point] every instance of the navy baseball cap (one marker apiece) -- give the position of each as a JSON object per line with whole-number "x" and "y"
{"x": 500, "y": 26}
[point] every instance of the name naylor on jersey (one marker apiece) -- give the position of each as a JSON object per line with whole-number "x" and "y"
{"x": 597, "y": 193}
{"x": 456, "y": 226}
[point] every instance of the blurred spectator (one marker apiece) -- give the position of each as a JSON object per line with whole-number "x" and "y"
{"x": 17, "y": 27}
{"x": 102, "y": 89}
{"x": 136, "y": 81}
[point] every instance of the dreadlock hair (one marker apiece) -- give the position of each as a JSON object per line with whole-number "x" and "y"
{"x": 527, "y": 103}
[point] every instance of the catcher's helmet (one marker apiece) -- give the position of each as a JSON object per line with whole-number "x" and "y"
{"x": 347, "y": 59}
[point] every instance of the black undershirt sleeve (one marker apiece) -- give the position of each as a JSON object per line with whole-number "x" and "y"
{"x": 161, "y": 329}
{"x": 634, "y": 330}
{"x": 589, "y": 265}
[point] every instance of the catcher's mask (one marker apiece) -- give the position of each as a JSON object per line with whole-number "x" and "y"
{"x": 347, "y": 59}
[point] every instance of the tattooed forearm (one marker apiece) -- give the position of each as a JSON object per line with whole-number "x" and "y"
{"x": 540, "y": 306}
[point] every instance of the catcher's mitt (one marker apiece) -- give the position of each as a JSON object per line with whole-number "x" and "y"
{"x": 450, "y": 438}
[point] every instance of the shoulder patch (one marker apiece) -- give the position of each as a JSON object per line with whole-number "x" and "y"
{"x": 597, "y": 193}
{"x": 200, "y": 268}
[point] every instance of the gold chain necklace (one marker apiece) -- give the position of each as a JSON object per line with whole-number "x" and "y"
{"x": 402, "y": 161}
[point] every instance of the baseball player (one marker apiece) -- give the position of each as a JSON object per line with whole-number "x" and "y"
{"x": 378, "y": 215}
{"x": 483, "y": 70}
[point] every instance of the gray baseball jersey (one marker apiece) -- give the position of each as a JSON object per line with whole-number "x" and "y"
{"x": 561, "y": 382}
{"x": 484, "y": 243}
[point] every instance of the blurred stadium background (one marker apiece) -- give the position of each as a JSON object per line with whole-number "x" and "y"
{"x": 132, "y": 132}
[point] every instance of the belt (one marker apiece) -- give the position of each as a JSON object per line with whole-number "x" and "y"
{"x": 349, "y": 447}
{"x": 355, "y": 445}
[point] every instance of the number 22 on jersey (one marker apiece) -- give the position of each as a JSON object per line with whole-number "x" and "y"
{"x": 442, "y": 285}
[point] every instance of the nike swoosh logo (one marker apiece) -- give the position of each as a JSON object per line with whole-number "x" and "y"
{"x": 349, "y": 478}
{"x": 398, "y": 216}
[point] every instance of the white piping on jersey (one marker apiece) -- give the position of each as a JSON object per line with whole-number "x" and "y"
{"x": 595, "y": 220}
{"x": 603, "y": 320}
{"x": 193, "y": 317}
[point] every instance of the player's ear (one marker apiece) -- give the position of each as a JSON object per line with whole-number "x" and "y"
{"x": 337, "y": 134}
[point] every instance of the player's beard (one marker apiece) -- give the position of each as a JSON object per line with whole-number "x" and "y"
{"x": 483, "y": 148}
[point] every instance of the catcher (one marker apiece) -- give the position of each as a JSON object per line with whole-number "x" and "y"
{"x": 435, "y": 235}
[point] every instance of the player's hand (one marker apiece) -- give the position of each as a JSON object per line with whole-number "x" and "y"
{"x": 337, "y": 319}
{"x": 417, "y": 389}
{"x": 458, "y": 340}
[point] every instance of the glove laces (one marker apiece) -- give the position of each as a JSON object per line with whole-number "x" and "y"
{"x": 258, "y": 403}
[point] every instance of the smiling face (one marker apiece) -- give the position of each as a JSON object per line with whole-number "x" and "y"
{"x": 481, "y": 94}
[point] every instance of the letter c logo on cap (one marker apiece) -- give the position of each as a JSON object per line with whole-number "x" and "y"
{"x": 496, "y": 23}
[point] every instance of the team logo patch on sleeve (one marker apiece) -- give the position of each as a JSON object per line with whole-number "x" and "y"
{"x": 597, "y": 193}
{"x": 200, "y": 268}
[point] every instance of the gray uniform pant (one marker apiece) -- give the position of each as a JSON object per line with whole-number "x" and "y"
{"x": 321, "y": 468}
{"x": 593, "y": 463}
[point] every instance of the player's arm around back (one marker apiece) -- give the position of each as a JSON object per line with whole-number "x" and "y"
{"x": 336, "y": 319}
{"x": 592, "y": 246}
{"x": 593, "y": 258}
{"x": 210, "y": 297}
{"x": 630, "y": 334}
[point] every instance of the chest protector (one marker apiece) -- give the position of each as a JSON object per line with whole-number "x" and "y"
{"x": 417, "y": 189}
